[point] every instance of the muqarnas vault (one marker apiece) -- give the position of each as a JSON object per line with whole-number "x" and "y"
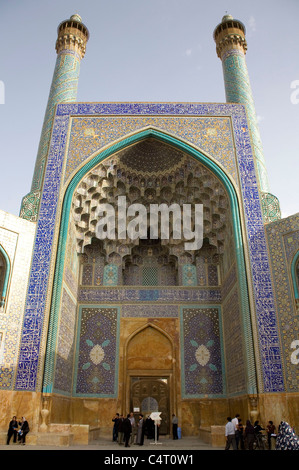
{"x": 91, "y": 327}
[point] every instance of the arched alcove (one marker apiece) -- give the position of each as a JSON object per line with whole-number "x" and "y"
{"x": 150, "y": 373}
{"x": 149, "y": 349}
{"x": 4, "y": 275}
{"x": 295, "y": 277}
{"x": 191, "y": 177}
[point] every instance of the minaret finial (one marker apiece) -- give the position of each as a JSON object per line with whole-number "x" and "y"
{"x": 72, "y": 35}
{"x": 230, "y": 33}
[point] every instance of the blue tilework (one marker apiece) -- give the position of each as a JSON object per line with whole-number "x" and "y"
{"x": 189, "y": 275}
{"x": 28, "y": 366}
{"x": 202, "y": 352}
{"x": 96, "y": 365}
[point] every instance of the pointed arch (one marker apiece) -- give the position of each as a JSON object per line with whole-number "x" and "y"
{"x": 144, "y": 327}
{"x": 153, "y": 371}
{"x": 294, "y": 276}
{"x": 237, "y": 229}
{"x": 4, "y": 283}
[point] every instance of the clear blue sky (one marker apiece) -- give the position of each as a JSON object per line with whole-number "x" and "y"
{"x": 155, "y": 50}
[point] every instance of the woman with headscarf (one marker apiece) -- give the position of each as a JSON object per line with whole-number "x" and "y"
{"x": 24, "y": 430}
{"x": 286, "y": 439}
{"x": 249, "y": 435}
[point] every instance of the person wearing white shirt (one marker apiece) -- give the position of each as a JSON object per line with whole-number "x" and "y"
{"x": 235, "y": 422}
{"x": 230, "y": 434}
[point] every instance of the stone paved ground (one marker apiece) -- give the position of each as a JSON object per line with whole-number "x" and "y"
{"x": 186, "y": 444}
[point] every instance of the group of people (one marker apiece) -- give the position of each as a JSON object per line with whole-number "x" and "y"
{"x": 127, "y": 431}
{"x": 240, "y": 437}
{"x": 18, "y": 429}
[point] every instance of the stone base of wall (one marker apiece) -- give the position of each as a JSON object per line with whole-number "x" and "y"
{"x": 213, "y": 435}
{"x": 59, "y": 435}
{"x": 205, "y": 418}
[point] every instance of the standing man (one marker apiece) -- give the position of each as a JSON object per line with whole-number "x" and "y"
{"x": 175, "y": 423}
{"x": 140, "y": 431}
{"x": 115, "y": 420}
{"x": 127, "y": 430}
{"x": 121, "y": 430}
{"x": 230, "y": 434}
{"x": 235, "y": 422}
{"x": 133, "y": 424}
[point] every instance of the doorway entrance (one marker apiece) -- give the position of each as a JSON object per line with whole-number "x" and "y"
{"x": 150, "y": 394}
{"x": 150, "y": 361}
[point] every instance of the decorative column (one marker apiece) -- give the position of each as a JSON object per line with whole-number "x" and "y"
{"x": 70, "y": 48}
{"x": 231, "y": 47}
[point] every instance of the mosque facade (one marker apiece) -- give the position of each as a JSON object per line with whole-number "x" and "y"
{"x": 91, "y": 325}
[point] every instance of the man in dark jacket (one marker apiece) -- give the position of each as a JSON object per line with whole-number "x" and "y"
{"x": 12, "y": 430}
{"x": 127, "y": 430}
{"x": 115, "y": 420}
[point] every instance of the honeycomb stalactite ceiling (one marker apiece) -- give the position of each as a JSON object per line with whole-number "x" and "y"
{"x": 150, "y": 157}
{"x": 151, "y": 172}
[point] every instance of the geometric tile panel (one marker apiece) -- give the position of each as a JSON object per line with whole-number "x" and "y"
{"x": 202, "y": 370}
{"x": 110, "y": 275}
{"x": 270, "y": 208}
{"x": 16, "y": 241}
{"x": 65, "y": 345}
{"x": 234, "y": 341}
{"x": 189, "y": 275}
{"x": 150, "y": 276}
{"x": 213, "y": 275}
{"x": 96, "y": 362}
{"x": 283, "y": 241}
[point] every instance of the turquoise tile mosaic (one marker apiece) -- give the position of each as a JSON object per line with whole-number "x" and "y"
{"x": 28, "y": 374}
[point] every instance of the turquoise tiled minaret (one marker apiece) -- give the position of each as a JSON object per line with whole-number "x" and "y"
{"x": 70, "y": 48}
{"x": 231, "y": 47}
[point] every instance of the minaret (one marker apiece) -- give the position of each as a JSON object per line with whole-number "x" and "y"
{"x": 231, "y": 47}
{"x": 70, "y": 48}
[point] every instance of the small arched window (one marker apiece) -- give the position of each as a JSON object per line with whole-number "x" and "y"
{"x": 4, "y": 275}
{"x": 297, "y": 282}
{"x": 295, "y": 277}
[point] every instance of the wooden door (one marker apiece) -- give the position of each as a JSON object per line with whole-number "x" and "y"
{"x": 150, "y": 394}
